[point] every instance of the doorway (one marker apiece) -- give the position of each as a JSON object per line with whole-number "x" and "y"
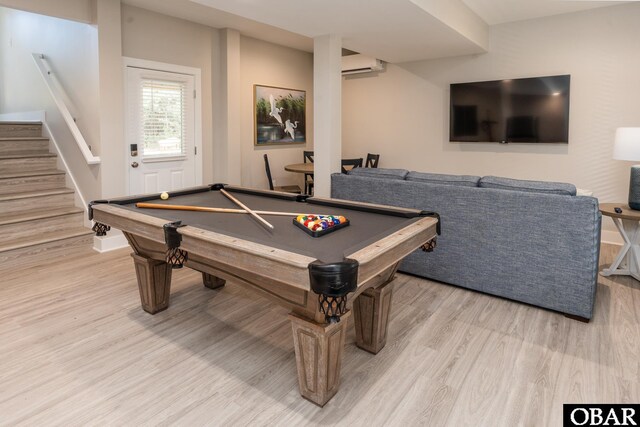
{"x": 163, "y": 127}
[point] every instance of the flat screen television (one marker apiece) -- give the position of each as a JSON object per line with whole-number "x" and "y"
{"x": 515, "y": 110}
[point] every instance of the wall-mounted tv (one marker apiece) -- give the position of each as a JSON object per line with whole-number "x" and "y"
{"x": 515, "y": 110}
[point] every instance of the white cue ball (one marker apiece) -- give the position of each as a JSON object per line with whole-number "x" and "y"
{"x": 164, "y": 196}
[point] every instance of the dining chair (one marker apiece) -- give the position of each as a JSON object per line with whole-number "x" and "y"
{"x": 308, "y": 156}
{"x": 356, "y": 163}
{"x": 308, "y": 177}
{"x": 286, "y": 188}
{"x": 372, "y": 160}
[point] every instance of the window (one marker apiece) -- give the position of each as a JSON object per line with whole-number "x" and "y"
{"x": 163, "y": 117}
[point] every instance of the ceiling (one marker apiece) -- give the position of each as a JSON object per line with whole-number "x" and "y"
{"x": 391, "y": 30}
{"x": 502, "y": 11}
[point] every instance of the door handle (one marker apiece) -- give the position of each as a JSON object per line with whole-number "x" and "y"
{"x": 134, "y": 164}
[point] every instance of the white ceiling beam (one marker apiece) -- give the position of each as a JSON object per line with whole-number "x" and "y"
{"x": 459, "y": 17}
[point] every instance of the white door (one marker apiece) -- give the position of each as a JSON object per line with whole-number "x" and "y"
{"x": 160, "y": 126}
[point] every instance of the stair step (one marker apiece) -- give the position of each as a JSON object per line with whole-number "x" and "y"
{"x": 11, "y": 129}
{"x": 30, "y": 194}
{"x": 30, "y": 200}
{"x": 15, "y": 248}
{"x": 27, "y": 156}
{"x": 24, "y": 145}
{"x": 23, "y": 162}
{"x": 27, "y": 225}
{"x": 20, "y": 182}
{"x": 26, "y": 174}
{"x": 36, "y": 214}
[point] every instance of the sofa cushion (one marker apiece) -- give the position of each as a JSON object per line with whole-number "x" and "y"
{"x": 437, "y": 178}
{"x": 380, "y": 173}
{"x": 546, "y": 187}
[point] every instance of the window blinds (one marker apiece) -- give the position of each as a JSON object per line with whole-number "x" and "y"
{"x": 163, "y": 117}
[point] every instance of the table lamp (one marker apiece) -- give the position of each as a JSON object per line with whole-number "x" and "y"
{"x": 627, "y": 147}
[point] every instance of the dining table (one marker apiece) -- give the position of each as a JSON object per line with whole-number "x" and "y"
{"x": 300, "y": 168}
{"x": 306, "y": 168}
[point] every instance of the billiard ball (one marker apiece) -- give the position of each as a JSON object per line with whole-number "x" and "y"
{"x": 164, "y": 195}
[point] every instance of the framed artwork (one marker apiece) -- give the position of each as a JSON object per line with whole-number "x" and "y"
{"x": 279, "y": 115}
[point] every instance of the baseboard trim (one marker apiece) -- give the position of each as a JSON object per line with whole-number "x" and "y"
{"x": 611, "y": 237}
{"x": 115, "y": 240}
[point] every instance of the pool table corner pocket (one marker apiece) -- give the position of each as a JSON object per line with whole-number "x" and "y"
{"x": 332, "y": 282}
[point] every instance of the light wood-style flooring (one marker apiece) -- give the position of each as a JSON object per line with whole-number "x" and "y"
{"x": 76, "y": 349}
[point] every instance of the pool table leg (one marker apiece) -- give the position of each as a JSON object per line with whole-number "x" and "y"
{"x": 154, "y": 283}
{"x": 212, "y": 282}
{"x": 371, "y": 316}
{"x": 319, "y": 348}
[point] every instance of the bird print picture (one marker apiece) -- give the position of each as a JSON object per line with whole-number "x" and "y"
{"x": 279, "y": 115}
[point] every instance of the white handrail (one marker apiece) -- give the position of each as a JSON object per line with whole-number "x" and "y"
{"x": 58, "y": 95}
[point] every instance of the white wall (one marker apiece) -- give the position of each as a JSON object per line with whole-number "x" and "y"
{"x": 268, "y": 64}
{"x": 403, "y": 113}
{"x": 71, "y": 51}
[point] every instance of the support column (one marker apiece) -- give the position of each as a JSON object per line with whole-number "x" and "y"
{"x": 327, "y": 111}
{"x": 319, "y": 348}
{"x": 111, "y": 149}
{"x": 227, "y": 160}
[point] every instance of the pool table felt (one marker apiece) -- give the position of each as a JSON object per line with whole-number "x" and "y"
{"x": 364, "y": 229}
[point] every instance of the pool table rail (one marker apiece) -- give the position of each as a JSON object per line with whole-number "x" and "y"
{"x": 290, "y": 267}
{"x": 143, "y": 225}
{"x": 283, "y": 276}
{"x": 193, "y": 239}
{"x": 393, "y": 248}
{"x": 245, "y": 256}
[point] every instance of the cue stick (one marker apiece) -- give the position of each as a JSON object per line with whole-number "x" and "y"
{"x": 215, "y": 210}
{"x": 246, "y": 208}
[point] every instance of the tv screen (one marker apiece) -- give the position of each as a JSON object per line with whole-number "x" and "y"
{"x": 515, "y": 110}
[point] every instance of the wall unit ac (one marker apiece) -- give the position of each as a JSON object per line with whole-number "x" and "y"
{"x": 354, "y": 64}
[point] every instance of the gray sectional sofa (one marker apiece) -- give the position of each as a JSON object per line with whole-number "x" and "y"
{"x": 530, "y": 241}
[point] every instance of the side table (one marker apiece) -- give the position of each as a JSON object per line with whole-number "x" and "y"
{"x": 627, "y": 263}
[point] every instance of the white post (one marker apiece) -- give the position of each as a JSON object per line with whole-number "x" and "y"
{"x": 112, "y": 148}
{"x": 327, "y": 111}
{"x": 227, "y": 160}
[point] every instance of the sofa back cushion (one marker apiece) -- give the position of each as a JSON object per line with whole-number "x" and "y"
{"x": 545, "y": 187}
{"x": 380, "y": 173}
{"x": 437, "y": 178}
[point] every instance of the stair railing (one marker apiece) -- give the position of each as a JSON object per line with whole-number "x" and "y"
{"x": 59, "y": 97}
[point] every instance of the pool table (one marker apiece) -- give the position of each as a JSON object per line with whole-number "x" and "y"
{"x": 321, "y": 280}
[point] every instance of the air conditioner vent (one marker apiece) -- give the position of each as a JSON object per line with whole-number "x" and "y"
{"x": 355, "y": 64}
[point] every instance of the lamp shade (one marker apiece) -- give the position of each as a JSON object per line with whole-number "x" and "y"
{"x": 627, "y": 144}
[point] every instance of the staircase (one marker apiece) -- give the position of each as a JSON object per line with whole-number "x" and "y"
{"x": 37, "y": 211}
